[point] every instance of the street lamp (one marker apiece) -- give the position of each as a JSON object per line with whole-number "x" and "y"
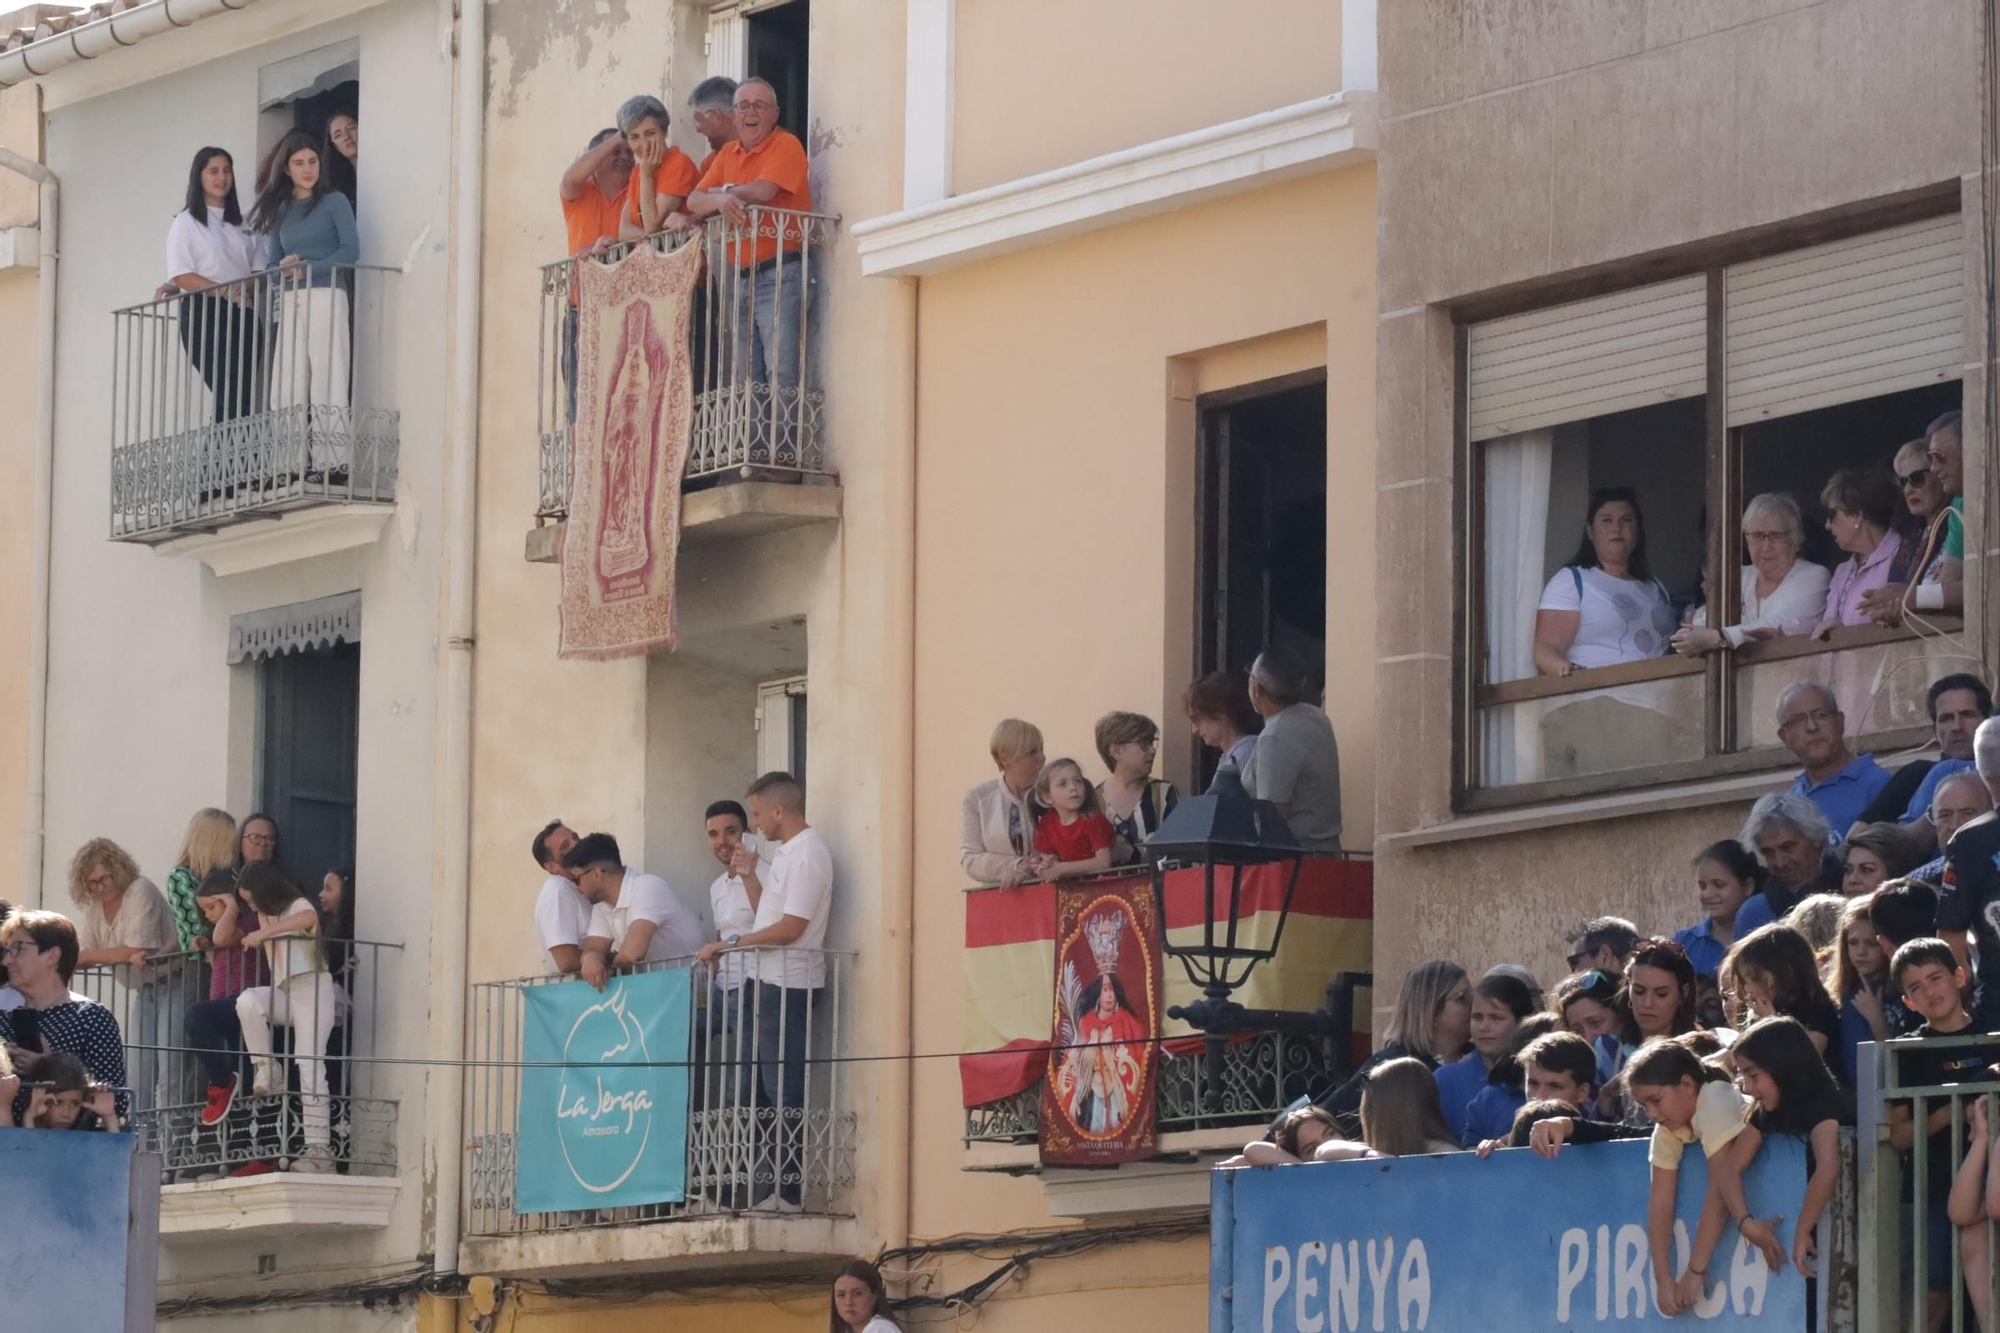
{"x": 1233, "y": 835}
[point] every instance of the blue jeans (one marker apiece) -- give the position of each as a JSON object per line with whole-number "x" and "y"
{"x": 781, "y": 1048}
{"x": 773, "y": 304}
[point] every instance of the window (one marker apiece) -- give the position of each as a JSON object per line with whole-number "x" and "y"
{"x": 1261, "y": 527}
{"x": 1690, "y": 400}
{"x": 781, "y": 727}
{"x": 778, "y": 44}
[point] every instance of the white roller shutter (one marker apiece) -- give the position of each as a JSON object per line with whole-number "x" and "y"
{"x": 1585, "y": 359}
{"x": 1845, "y": 321}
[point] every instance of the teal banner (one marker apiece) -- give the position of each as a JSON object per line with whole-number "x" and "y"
{"x": 604, "y": 1099}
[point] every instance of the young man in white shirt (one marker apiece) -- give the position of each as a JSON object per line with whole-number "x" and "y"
{"x": 792, "y": 905}
{"x": 732, "y": 899}
{"x": 634, "y": 917}
{"x": 562, "y": 915}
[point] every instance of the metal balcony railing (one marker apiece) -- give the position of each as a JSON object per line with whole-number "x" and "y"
{"x": 250, "y": 399}
{"x": 742, "y": 1147}
{"x": 753, "y": 352}
{"x": 332, "y": 1111}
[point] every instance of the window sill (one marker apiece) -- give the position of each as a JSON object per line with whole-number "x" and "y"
{"x": 1619, "y": 805}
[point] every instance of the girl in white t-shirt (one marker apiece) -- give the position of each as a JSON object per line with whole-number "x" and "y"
{"x": 1604, "y": 607}
{"x": 210, "y": 257}
{"x": 301, "y": 995}
{"x": 858, "y": 1298}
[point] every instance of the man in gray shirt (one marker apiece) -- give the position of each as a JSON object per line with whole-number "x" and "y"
{"x": 1296, "y": 764}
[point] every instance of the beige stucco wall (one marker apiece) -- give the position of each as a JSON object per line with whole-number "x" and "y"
{"x": 1524, "y": 141}
{"x": 20, "y": 358}
{"x": 1055, "y": 530}
{"x": 1044, "y": 83}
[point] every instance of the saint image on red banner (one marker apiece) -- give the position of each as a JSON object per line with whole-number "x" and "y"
{"x": 1098, "y": 1105}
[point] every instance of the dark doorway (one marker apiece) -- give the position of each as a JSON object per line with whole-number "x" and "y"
{"x": 311, "y": 723}
{"x": 1260, "y": 513}
{"x": 778, "y": 40}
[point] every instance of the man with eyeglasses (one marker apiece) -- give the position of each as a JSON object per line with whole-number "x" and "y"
{"x": 634, "y": 917}
{"x": 1931, "y": 472}
{"x": 1602, "y": 943}
{"x": 770, "y": 287}
{"x": 1834, "y": 778}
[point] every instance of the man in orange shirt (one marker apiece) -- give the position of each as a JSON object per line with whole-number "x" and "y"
{"x": 714, "y": 108}
{"x": 662, "y": 175}
{"x": 766, "y": 170}
{"x": 593, "y": 194}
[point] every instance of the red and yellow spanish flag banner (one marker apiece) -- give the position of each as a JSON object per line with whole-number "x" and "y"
{"x": 1010, "y": 959}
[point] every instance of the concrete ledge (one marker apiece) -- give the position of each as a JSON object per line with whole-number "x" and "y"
{"x": 1323, "y": 134}
{"x": 740, "y": 1243}
{"x": 1196, "y": 1147}
{"x": 258, "y": 543}
{"x": 20, "y": 247}
{"x": 1618, "y": 805}
{"x": 280, "y": 1202}
{"x": 729, "y": 512}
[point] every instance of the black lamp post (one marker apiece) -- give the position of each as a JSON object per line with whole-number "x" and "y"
{"x": 1227, "y": 836}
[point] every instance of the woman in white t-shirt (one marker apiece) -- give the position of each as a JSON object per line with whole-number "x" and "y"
{"x": 1782, "y": 594}
{"x": 210, "y": 254}
{"x": 858, "y": 1298}
{"x": 1604, "y": 607}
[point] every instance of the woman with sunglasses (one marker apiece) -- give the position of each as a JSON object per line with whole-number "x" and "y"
{"x": 1924, "y": 499}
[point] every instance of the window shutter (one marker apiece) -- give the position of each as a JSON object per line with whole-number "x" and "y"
{"x": 1585, "y": 359}
{"x": 1849, "y": 320}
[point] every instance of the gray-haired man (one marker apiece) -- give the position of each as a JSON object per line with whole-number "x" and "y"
{"x": 1795, "y": 846}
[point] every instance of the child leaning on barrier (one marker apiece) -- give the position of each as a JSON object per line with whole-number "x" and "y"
{"x": 65, "y": 1098}
{"x": 1975, "y": 1197}
{"x": 1794, "y": 1092}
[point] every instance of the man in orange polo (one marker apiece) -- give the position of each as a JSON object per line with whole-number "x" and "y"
{"x": 765, "y": 170}
{"x": 713, "y": 107}
{"x": 593, "y": 195}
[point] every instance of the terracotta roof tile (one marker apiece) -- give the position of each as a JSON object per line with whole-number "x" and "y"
{"x": 45, "y": 21}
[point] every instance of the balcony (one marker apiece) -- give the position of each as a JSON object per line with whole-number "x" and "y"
{"x": 742, "y": 1157}
{"x": 1010, "y": 965}
{"x": 350, "y": 1183}
{"x": 254, "y": 422}
{"x": 756, "y": 455}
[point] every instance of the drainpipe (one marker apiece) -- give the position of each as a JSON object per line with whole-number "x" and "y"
{"x": 899, "y": 760}
{"x": 100, "y": 37}
{"x": 444, "y": 1101}
{"x": 34, "y": 837}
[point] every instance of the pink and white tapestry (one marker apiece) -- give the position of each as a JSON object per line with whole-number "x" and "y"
{"x": 628, "y": 448}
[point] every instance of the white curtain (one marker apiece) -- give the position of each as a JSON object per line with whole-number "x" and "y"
{"x": 1517, "y": 525}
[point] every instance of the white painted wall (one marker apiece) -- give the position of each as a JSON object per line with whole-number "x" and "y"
{"x": 146, "y": 722}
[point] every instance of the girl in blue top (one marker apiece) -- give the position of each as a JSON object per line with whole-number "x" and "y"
{"x": 310, "y": 236}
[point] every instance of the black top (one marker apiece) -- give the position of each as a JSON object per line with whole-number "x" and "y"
{"x": 1815, "y": 1111}
{"x": 1344, "y": 1102}
{"x": 1826, "y": 1022}
{"x": 1969, "y": 900}
{"x": 1929, "y": 1068}
{"x": 1597, "y": 1131}
{"x": 1893, "y": 801}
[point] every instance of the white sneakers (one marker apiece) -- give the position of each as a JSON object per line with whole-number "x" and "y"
{"x": 264, "y": 1078}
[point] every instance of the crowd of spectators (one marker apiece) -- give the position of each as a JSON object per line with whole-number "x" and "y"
{"x": 1859, "y": 904}
{"x": 236, "y": 974}
{"x": 1901, "y": 530}
{"x": 1041, "y": 819}
{"x": 763, "y": 961}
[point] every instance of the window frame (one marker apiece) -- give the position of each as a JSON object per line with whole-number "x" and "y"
{"x": 1724, "y": 497}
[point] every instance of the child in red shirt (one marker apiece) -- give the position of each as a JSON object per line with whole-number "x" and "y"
{"x": 1072, "y": 827}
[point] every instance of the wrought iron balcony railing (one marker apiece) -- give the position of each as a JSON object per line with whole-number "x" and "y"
{"x": 251, "y": 399}
{"x": 753, "y": 351}
{"x": 744, "y": 1149}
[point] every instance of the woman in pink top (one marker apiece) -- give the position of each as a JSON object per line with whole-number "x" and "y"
{"x": 1861, "y": 506}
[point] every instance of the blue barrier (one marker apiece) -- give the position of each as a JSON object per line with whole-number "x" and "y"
{"x": 81, "y": 1241}
{"x": 1513, "y": 1242}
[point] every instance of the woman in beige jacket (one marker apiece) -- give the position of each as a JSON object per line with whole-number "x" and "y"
{"x": 996, "y": 832}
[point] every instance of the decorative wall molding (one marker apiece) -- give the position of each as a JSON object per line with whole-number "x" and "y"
{"x": 301, "y": 627}
{"x": 1324, "y": 134}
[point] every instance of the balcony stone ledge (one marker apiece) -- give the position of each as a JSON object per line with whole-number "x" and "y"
{"x": 729, "y": 512}
{"x": 738, "y": 1242}
{"x": 275, "y": 1203}
{"x": 250, "y": 543}
{"x": 1174, "y": 1181}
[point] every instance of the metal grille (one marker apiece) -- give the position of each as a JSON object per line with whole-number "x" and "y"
{"x": 743, "y": 1146}
{"x": 759, "y": 409}
{"x": 251, "y": 399}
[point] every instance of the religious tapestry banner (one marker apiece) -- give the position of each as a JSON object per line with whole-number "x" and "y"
{"x": 1098, "y": 1105}
{"x": 628, "y": 448}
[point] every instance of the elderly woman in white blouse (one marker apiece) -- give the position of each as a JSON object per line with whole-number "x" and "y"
{"x": 996, "y": 830}
{"x": 1782, "y": 594}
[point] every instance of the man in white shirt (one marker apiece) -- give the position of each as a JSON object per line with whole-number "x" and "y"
{"x": 792, "y": 902}
{"x": 634, "y": 917}
{"x": 562, "y": 915}
{"x": 732, "y": 898}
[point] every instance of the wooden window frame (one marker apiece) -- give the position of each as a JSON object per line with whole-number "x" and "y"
{"x": 1724, "y": 482}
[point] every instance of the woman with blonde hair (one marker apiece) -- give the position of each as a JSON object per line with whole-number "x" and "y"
{"x": 122, "y": 921}
{"x": 209, "y": 844}
{"x": 996, "y": 830}
{"x": 1432, "y": 1024}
